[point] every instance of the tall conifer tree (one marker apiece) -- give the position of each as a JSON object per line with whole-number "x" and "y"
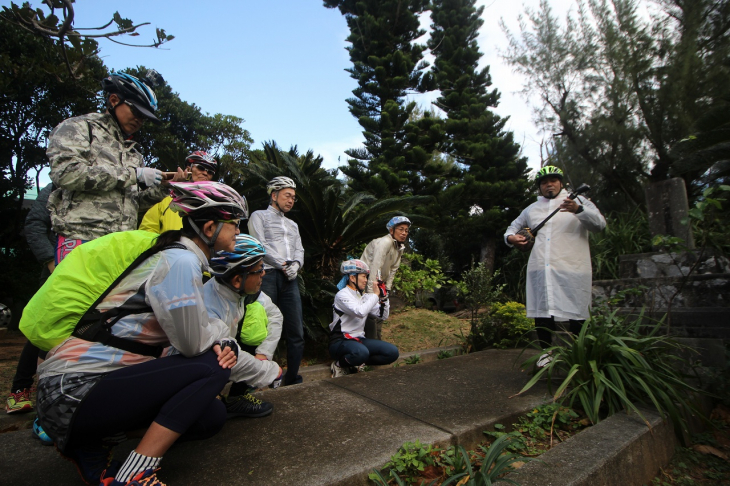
{"x": 492, "y": 190}
{"x": 387, "y": 64}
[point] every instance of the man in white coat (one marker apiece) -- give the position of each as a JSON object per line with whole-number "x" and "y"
{"x": 559, "y": 269}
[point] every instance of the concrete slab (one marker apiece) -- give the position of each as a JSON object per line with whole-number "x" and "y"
{"x": 463, "y": 395}
{"x": 330, "y": 432}
{"x": 618, "y": 450}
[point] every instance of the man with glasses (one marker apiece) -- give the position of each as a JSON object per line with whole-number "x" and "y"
{"x": 382, "y": 256}
{"x": 100, "y": 175}
{"x": 284, "y": 257}
{"x": 199, "y": 167}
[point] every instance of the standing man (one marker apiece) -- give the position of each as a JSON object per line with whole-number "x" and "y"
{"x": 201, "y": 167}
{"x": 284, "y": 257}
{"x": 559, "y": 274}
{"x": 99, "y": 174}
{"x": 382, "y": 256}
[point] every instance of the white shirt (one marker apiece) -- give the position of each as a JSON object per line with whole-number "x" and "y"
{"x": 356, "y": 308}
{"x": 559, "y": 270}
{"x": 279, "y": 235}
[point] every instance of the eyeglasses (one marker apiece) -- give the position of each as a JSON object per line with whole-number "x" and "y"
{"x": 257, "y": 272}
{"x": 135, "y": 111}
{"x": 403, "y": 230}
{"x": 237, "y": 222}
{"x": 205, "y": 169}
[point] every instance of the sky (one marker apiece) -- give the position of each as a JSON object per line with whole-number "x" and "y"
{"x": 280, "y": 65}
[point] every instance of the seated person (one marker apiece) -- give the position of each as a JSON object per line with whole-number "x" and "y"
{"x": 91, "y": 395}
{"x": 235, "y": 297}
{"x": 349, "y": 348}
{"x": 200, "y": 167}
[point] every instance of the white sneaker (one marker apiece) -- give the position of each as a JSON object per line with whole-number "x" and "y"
{"x": 544, "y": 360}
{"x": 338, "y": 371}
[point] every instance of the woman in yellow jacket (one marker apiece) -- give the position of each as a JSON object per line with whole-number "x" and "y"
{"x": 201, "y": 167}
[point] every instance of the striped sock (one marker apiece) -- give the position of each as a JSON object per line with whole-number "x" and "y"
{"x": 135, "y": 464}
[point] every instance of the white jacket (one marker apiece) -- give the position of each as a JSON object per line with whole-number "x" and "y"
{"x": 559, "y": 270}
{"x": 382, "y": 254}
{"x": 279, "y": 235}
{"x": 228, "y": 306}
{"x": 355, "y": 309}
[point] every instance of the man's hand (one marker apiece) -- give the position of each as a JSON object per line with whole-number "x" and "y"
{"x": 291, "y": 270}
{"x": 226, "y": 356}
{"x": 569, "y": 206}
{"x": 518, "y": 240}
{"x": 51, "y": 266}
{"x": 180, "y": 176}
{"x": 149, "y": 177}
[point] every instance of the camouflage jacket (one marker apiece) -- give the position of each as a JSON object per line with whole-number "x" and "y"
{"x": 94, "y": 168}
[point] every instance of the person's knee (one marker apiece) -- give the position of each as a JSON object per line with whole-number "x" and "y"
{"x": 211, "y": 422}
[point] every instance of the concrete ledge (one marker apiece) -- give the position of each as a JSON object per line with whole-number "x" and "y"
{"x": 322, "y": 371}
{"x": 618, "y": 450}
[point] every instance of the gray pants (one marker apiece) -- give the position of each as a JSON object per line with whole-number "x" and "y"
{"x": 374, "y": 328}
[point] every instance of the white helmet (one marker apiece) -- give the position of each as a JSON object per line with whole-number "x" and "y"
{"x": 279, "y": 183}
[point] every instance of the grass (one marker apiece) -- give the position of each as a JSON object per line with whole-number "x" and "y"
{"x": 419, "y": 329}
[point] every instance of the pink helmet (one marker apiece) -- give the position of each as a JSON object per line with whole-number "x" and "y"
{"x": 189, "y": 198}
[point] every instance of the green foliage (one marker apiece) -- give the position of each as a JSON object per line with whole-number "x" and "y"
{"x": 620, "y": 364}
{"x": 625, "y": 234}
{"x": 505, "y": 325}
{"x": 496, "y": 463}
{"x": 408, "y": 462}
{"x": 538, "y": 424}
{"x": 445, "y": 355}
{"x": 710, "y": 222}
{"x": 477, "y": 289}
{"x": 418, "y": 276}
{"x": 415, "y": 359}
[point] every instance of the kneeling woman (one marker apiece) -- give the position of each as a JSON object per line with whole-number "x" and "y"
{"x": 349, "y": 348}
{"x": 90, "y": 394}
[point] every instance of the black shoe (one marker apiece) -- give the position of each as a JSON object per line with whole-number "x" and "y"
{"x": 296, "y": 381}
{"x": 247, "y": 406}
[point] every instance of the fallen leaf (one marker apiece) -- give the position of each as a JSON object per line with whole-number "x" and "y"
{"x": 463, "y": 481}
{"x": 705, "y": 449}
{"x": 518, "y": 464}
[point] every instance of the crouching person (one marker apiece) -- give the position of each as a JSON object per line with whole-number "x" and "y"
{"x": 349, "y": 348}
{"x": 234, "y": 296}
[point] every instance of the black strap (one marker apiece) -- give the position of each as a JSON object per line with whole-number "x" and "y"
{"x": 95, "y": 326}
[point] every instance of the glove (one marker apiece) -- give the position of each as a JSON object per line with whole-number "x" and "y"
{"x": 291, "y": 270}
{"x": 149, "y": 177}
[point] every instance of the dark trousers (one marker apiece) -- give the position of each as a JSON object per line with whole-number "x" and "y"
{"x": 545, "y": 327}
{"x": 176, "y": 392}
{"x": 284, "y": 293}
{"x": 351, "y": 352}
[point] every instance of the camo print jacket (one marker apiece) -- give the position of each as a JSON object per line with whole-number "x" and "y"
{"x": 94, "y": 168}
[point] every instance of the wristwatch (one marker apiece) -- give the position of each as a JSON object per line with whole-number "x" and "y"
{"x": 579, "y": 210}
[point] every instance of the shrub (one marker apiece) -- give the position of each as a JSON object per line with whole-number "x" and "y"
{"x": 417, "y": 277}
{"x": 504, "y": 326}
{"x": 619, "y": 364}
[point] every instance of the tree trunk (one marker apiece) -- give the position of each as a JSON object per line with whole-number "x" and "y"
{"x": 488, "y": 252}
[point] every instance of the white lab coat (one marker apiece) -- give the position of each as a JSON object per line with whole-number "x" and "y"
{"x": 559, "y": 270}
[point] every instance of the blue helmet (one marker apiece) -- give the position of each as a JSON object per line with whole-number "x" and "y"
{"x": 248, "y": 252}
{"x": 132, "y": 90}
{"x": 396, "y": 221}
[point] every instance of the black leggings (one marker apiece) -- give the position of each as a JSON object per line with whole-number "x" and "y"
{"x": 176, "y": 392}
{"x": 545, "y": 327}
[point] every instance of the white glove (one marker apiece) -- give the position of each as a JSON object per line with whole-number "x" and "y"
{"x": 149, "y": 177}
{"x": 291, "y": 270}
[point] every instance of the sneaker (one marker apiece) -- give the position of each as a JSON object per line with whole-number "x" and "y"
{"x": 247, "y": 406}
{"x": 338, "y": 371}
{"x": 92, "y": 462}
{"x": 147, "y": 478}
{"x": 19, "y": 402}
{"x": 544, "y": 360}
{"x": 40, "y": 434}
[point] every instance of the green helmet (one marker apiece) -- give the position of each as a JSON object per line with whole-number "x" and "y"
{"x": 548, "y": 170}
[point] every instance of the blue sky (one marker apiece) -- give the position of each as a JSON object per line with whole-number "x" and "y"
{"x": 280, "y": 65}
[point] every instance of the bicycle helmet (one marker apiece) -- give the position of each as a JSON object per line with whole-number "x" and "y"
{"x": 202, "y": 158}
{"x": 248, "y": 252}
{"x": 131, "y": 89}
{"x": 354, "y": 267}
{"x": 279, "y": 183}
{"x": 189, "y": 198}
{"x": 548, "y": 170}
{"x": 396, "y": 221}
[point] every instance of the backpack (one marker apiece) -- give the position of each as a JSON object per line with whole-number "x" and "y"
{"x": 65, "y": 305}
{"x": 253, "y": 328}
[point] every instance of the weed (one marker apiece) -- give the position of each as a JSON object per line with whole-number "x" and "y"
{"x": 445, "y": 354}
{"x": 408, "y": 462}
{"x": 415, "y": 359}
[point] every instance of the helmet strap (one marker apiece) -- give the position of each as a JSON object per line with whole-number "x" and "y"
{"x": 275, "y": 202}
{"x": 199, "y": 232}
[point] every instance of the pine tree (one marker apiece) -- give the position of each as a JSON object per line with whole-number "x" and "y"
{"x": 387, "y": 64}
{"x": 492, "y": 189}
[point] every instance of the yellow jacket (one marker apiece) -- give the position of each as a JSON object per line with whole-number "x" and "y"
{"x": 159, "y": 218}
